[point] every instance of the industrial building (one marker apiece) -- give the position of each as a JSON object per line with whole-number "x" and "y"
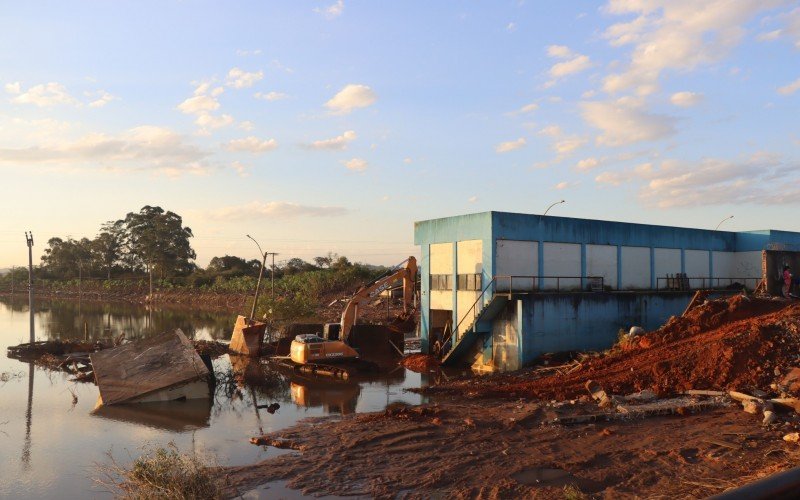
{"x": 500, "y": 289}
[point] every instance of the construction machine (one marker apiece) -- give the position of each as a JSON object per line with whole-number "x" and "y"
{"x": 335, "y": 343}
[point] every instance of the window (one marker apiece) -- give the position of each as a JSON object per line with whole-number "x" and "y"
{"x": 469, "y": 282}
{"x": 441, "y": 282}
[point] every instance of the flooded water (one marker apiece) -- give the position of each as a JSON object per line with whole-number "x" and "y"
{"x": 50, "y": 445}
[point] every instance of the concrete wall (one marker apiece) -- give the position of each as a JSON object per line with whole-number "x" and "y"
{"x": 601, "y": 260}
{"x": 565, "y": 322}
{"x": 469, "y": 256}
{"x": 441, "y": 262}
{"x": 746, "y": 265}
{"x": 635, "y": 268}
{"x": 562, "y": 259}
{"x": 506, "y": 339}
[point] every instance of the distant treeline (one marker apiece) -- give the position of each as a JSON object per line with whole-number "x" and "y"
{"x": 154, "y": 243}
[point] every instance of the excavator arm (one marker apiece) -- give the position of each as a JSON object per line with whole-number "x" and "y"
{"x": 408, "y": 273}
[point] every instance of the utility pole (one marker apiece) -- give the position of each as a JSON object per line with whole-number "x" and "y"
{"x": 273, "y": 275}
{"x": 29, "y": 241}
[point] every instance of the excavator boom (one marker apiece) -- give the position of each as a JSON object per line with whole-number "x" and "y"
{"x": 408, "y": 273}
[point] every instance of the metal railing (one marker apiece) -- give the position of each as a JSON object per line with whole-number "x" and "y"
{"x": 703, "y": 282}
{"x": 528, "y": 284}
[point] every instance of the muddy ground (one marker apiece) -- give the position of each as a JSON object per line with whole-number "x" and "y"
{"x": 499, "y": 436}
{"x": 504, "y": 449}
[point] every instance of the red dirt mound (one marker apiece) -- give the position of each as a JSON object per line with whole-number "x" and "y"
{"x": 421, "y": 363}
{"x": 723, "y": 344}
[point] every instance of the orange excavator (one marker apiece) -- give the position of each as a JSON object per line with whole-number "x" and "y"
{"x": 313, "y": 348}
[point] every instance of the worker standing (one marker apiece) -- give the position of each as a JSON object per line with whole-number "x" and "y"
{"x": 787, "y": 281}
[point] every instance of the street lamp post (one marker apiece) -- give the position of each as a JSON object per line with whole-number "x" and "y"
{"x": 260, "y": 274}
{"x": 552, "y": 205}
{"x": 723, "y": 220}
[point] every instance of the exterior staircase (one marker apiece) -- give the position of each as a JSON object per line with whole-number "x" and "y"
{"x": 480, "y": 327}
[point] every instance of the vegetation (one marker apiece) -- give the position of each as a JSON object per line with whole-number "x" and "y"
{"x": 162, "y": 473}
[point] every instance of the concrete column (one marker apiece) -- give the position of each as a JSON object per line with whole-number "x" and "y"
{"x": 652, "y": 268}
{"x": 583, "y": 266}
{"x": 619, "y": 267}
{"x": 683, "y": 260}
{"x": 455, "y": 291}
{"x": 425, "y": 299}
{"x": 711, "y": 268}
{"x": 540, "y": 271}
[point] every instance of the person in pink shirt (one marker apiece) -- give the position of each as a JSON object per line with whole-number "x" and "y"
{"x": 787, "y": 281}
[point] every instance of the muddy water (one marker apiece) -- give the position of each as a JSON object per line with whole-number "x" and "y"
{"x": 50, "y": 445}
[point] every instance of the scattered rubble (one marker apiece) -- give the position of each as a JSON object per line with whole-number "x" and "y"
{"x": 420, "y": 363}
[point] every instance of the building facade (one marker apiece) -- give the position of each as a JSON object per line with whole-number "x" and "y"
{"x": 500, "y": 289}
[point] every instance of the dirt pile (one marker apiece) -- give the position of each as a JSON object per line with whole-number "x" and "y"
{"x": 738, "y": 343}
{"x": 420, "y": 363}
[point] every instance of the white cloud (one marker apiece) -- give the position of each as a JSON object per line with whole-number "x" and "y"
{"x": 337, "y": 143}
{"x": 13, "y": 88}
{"x": 551, "y": 131}
{"x": 198, "y": 104}
{"x": 505, "y": 147}
{"x": 332, "y": 11}
{"x": 573, "y": 63}
{"x": 407, "y": 161}
{"x": 271, "y": 96}
{"x": 42, "y": 95}
{"x": 564, "y": 185}
{"x": 207, "y": 122}
{"x": 790, "y": 88}
{"x": 240, "y": 79}
{"x": 352, "y": 96}
{"x": 251, "y": 144}
{"x": 273, "y": 209}
{"x": 686, "y": 99}
{"x": 611, "y": 178}
{"x": 511, "y": 27}
{"x": 148, "y": 148}
{"x": 625, "y": 122}
{"x": 101, "y": 98}
{"x": 769, "y": 36}
{"x": 568, "y": 145}
{"x": 528, "y": 108}
{"x": 245, "y": 53}
{"x": 472, "y": 199}
{"x": 241, "y": 169}
{"x": 356, "y": 164}
{"x": 246, "y": 125}
{"x": 762, "y": 179}
{"x": 675, "y": 35}
{"x": 559, "y": 51}
{"x": 587, "y": 164}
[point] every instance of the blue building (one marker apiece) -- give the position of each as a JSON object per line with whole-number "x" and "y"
{"x": 500, "y": 289}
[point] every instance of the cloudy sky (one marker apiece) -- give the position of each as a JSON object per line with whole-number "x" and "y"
{"x": 333, "y": 125}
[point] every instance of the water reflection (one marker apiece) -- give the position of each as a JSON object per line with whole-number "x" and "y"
{"x": 37, "y": 442}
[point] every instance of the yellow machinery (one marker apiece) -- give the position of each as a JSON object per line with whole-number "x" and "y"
{"x": 314, "y": 349}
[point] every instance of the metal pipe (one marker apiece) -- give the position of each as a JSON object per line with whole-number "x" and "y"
{"x": 784, "y": 484}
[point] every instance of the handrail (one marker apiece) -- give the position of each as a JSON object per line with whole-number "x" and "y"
{"x": 510, "y": 278}
{"x": 688, "y": 279}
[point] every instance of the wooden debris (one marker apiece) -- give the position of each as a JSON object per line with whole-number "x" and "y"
{"x": 160, "y": 368}
{"x": 598, "y": 394}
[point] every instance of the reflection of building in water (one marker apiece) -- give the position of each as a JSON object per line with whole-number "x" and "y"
{"x": 176, "y": 416}
{"x": 333, "y": 398}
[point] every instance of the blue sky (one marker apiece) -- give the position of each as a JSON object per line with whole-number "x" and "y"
{"x": 333, "y": 125}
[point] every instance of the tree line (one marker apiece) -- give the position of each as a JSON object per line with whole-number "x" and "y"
{"x": 154, "y": 242}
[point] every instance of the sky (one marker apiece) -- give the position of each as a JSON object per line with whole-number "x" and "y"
{"x": 331, "y": 126}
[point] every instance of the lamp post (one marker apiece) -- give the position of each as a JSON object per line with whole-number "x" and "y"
{"x": 260, "y": 274}
{"x": 552, "y": 205}
{"x": 723, "y": 220}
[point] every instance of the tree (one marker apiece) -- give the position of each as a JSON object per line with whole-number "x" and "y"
{"x": 326, "y": 260}
{"x": 66, "y": 259}
{"x": 108, "y": 245}
{"x": 233, "y": 266}
{"x": 297, "y": 265}
{"x": 157, "y": 240}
